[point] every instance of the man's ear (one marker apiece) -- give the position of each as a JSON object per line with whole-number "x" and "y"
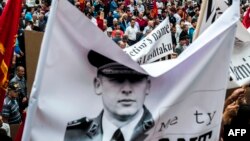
{"x": 98, "y": 85}
{"x": 148, "y": 86}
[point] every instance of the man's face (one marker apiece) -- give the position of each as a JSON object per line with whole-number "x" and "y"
{"x": 13, "y": 94}
{"x": 182, "y": 42}
{"x": 132, "y": 23}
{"x": 122, "y": 96}
{"x": 20, "y": 72}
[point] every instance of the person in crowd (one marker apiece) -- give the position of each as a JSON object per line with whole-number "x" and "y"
{"x": 150, "y": 26}
{"x": 117, "y": 36}
{"x": 10, "y": 111}
{"x": 131, "y": 33}
{"x": 5, "y": 126}
{"x": 236, "y": 110}
{"x": 113, "y": 5}
{"x": 20, "y": 80}
{"x": 116, "y": 30}
{"x": 181, "y": 46}
{"x": 140, "y": 7}
{"x": 4, "y": 136}
{"x": 191, "y": 30}
{"x": 141, "y": 21}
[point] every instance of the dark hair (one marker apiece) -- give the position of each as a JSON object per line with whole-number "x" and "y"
{"x": 193, "y": 21}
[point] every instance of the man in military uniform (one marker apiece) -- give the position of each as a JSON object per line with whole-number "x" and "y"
{"x": 124, "y": 116}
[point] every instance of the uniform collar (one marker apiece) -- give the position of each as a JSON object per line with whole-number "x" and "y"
{"x": 145, "y": 123}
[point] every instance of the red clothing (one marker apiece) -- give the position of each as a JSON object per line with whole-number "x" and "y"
{"x": 127, "y": 2}
{"x": 82, "y": 3}
{"x": 114, "y": 32}
{"x": 142, "y": 23}
{"x": 21, "y": 127}
{"x": 246, "y": 19}
{"x": 100, "y": 23}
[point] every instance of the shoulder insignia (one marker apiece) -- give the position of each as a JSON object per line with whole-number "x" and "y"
{"x": 80, "y": 123}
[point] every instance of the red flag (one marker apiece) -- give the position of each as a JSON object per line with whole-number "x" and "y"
{"x": 246, "y": 19}
{"x": 154, "y": 11}
{"x": 9, "y": 21}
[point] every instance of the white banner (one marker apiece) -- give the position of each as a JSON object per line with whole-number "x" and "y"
{"x": 80, "y": 94}
{"x": 239, "y": 71}
{"x": 154, "y": 46}
{"x": 240, "y": 65}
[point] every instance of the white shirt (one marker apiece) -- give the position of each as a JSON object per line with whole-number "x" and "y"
{"x": 131, "y": 32}
{"x": 6, "y": 127}
{"x": 160, "y": 6}
{"x": 127, "y": 130}
{"x": 140, "y": 8}
{"x": 93, "y": 20}
{"x": 28, "y": 27}
{"x": 178, "y": 18}
{"x": 131, "y": 8}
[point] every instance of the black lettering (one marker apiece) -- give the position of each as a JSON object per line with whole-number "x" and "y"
{"x": 167, "y": 29}
{"x": 211, "y": 116}
{"x": 159, "y": 34}
{"x": 192, "y": 139}
{"x": 155, "y": 36}
{"x": 169, "y": 122}
{"x": 204, "y": 136}
{"x": 143, "y": 45}
{"x": 135, "y": 51}
{"x": 214, "y": 18}
{"x": 164, "y": 139}
{"x": 131, "y": 53}
{"x": 209, "y": 9}
{"x": 235, "y": 73}
{"x": 170, "y": 47}
{"x": 163, "y": 30}
{"x": 230, "y": 79}
{"x": 229, "y": 2}
{"x": 161, "y": 50}
{"x": 174, "y": 121}
{"x": 243, "y": 71}
{"x": 150, "y": 41}
{"x": 197, "y": 118}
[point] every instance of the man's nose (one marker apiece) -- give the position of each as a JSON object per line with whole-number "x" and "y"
{"x": 127, "y": 88}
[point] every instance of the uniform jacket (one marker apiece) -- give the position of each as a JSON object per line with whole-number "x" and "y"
{"x": 91, "y": 130}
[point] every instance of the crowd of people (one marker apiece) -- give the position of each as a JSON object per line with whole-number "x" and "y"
{"x": 125, "y": 22}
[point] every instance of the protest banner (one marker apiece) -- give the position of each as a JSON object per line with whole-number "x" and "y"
{"x": 239, "y": 73}
{"x": 88, "y": 89}
{"x": 154, "y": 46}
{"x": 8, "y": 29}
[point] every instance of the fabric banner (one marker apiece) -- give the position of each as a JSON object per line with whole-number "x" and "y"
{"x": 239, "y": 70}
{"x": 9, "y": 21}
{"x": 154, "y": 46}
{"x": 240, "y": 63}
{"x": 85, "y": 89}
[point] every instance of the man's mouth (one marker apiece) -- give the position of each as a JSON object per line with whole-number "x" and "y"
{"x": 126, "y": 101}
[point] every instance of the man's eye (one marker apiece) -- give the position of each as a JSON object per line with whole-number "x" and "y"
{"x": 118, "y": 80}
{"x": 135, "y": 80}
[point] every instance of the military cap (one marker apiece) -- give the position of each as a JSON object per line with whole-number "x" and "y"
{"x": 107, "y": 66}
{"x": 14, "y": 86}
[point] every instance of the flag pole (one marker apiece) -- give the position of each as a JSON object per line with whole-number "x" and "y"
{"x": 201, "y": 15}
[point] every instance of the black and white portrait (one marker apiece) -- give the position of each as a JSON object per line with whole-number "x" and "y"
{"x": 124, "y": 116}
